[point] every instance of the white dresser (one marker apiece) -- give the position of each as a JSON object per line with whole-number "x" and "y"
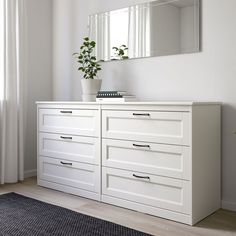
{"x": 160, "y": 158}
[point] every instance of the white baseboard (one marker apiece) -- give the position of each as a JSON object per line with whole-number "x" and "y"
{"x": 30, "y": 173}
{"x": 228, "y": 205}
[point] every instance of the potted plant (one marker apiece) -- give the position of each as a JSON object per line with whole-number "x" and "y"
{"x": 90, "y": 67}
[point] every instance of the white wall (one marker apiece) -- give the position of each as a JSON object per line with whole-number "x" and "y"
{"x": 39, "y": 27}
{"x": 208, "y": 75}
{"x": 62, "y": 55}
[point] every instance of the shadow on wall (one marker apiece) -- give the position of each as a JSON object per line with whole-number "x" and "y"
{"x": 117, "y": 77}
{"x": 228, "y": 144}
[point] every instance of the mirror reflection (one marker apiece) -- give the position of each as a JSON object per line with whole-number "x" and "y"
{"x": 156, "y": 28}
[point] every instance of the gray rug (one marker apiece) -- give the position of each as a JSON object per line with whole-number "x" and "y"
{"x": 23, "y": 216}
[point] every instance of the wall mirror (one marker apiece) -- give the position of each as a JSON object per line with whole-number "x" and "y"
{"x": 156, "y": 28}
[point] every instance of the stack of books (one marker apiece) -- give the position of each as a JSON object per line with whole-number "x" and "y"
{"x": 115, "y": 96}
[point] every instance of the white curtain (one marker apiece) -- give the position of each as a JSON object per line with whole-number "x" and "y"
{"x": 99, "y": 30}
{"x": 12, "y": 93}
{"x": 139, "y": 31}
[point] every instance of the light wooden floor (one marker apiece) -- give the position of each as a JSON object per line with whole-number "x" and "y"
{"x": 222, "y": 223}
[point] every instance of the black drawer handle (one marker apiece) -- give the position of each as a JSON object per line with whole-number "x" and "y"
{"x": 141, "y": 146}
{"x": 141, "y": 177}
{"x": 66, "y": 112}
{"x": 66, "y": 163}
{"x": 141, "y": 114}
{"x": 68, "y": 138}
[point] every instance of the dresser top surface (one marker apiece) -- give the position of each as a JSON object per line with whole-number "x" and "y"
{"x": 153, "y": 103}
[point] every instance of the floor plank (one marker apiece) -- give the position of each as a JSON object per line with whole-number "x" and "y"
{"x": 222, "y": 223}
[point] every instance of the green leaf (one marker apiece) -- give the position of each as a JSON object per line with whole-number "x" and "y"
{"x": 93, "y": 44}
{"x": 86, "y": 38}
{"x": 121, "y": 52}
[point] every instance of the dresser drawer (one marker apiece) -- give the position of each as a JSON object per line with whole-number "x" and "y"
{"x": 157, "y": 159}
{"x": 65, "y": 121}
{"x": 73, "y": 174}
{"x": 150, "y": 126}
{"x": 155, "y": 191}
{"x": 69, "y": 147}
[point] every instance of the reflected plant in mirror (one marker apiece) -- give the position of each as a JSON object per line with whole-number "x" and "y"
{"x": 120, "y": 53}
{"x": 154, "y": 28}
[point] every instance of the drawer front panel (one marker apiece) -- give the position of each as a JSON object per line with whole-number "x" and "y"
{"x": 73, "y": 174}
{"x": 160, "y": 127}
{"x": 77, "y": 122}
{"x": 158, "y": 159}
{"x": 69, "y": 147}
{"x": 161, "y": 192}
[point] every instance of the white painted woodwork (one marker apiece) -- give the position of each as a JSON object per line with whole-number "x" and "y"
{"x": 69, "y": 147}
{"x": 73, "y": 174}
{"x": 159, "y": 127}
{"x": 69, "y": 189}
{"x": 100, "y": 151}
{"x": 166, "y": 193}
{"x": 158, "y": 159}
{"x": 150, "y": 210}
{"x": 69, "y": 121}
{"x": 206, "y": 161}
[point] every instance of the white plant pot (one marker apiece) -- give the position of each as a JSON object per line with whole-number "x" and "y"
{"x": 88, "y": 98}
{"x": 90, "y": 87}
